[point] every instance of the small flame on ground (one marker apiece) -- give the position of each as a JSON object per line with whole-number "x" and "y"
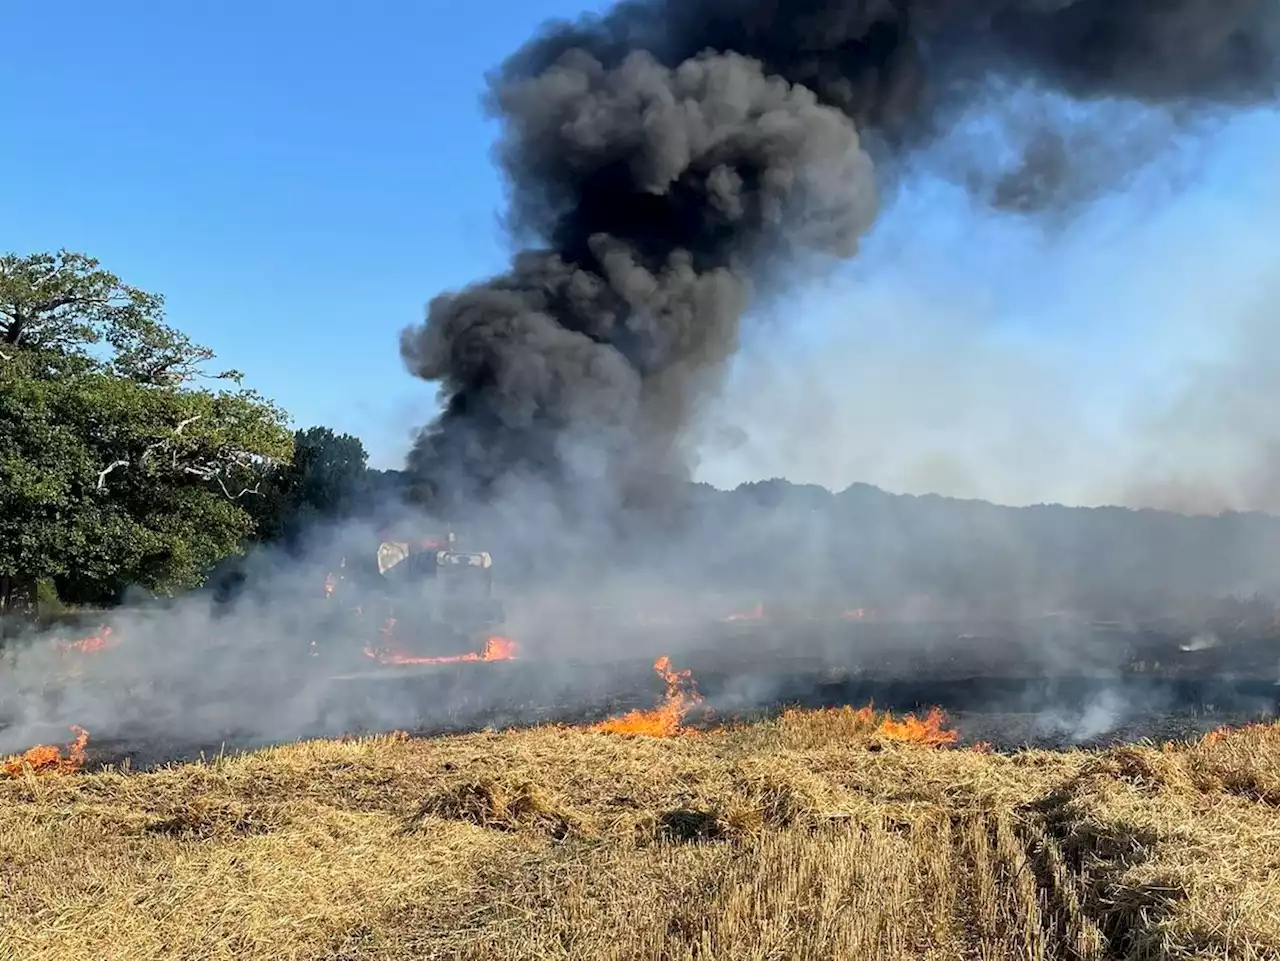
{"x": 929, "y": 731}
{"x": 667, "y": 718}
{"x": 104, "y": 639}
{"x": 1217, "y": 735}
{"x": 47, "y": 759}
{"x": 331, "y": 579}
{"x": 755, "y": 614}
{"x": 495, "y": 649}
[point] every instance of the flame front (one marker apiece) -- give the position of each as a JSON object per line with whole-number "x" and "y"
{"x": 1217, "y": 735}
{"x": 496, "y": 648}
{"x": 47, "y": 759}
{"x": 104, "y": 639}
{"x": 667, "y": 718}
{"x": 865, "y": 722}
{"x": 929, "y": 731}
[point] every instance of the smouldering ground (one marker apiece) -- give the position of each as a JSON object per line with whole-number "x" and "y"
{"x": 810, "y": 836}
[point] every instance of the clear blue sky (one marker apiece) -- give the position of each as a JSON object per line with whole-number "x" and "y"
{"x": 297, "y": 178}
{"x": 300, "y": 178}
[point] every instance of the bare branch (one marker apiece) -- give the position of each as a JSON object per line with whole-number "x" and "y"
{"x": 256, "y": 489}
{"x": 214, "y": 473}
{"x": 212, "y": 469}
{"x": 150, "y": 450}
{"x": 102, "y": 475}
{"x": 71, "y": 300}
{"x": 167, "y": 443}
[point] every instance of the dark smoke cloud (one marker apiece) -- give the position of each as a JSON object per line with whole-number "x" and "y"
{"x": 662, "y": 191}
{"x": 668, "y": 160}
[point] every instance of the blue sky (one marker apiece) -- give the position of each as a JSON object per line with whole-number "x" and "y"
{"x": 299, "y": 179}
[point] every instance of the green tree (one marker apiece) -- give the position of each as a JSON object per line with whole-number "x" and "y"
{"x": 327, "y": 479}
{"x": 118, "y": 466}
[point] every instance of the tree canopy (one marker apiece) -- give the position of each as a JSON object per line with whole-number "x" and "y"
{"x": 327, "y": 480}
{"x": 122, "y": 459}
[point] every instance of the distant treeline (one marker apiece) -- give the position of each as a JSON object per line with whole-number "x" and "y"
{"x": 931, "y": 554}
{"x": 129, "y": 467}
{"x": 893, "y": 550}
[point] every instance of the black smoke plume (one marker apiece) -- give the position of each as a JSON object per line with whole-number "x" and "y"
{"x": 667, "y": 160}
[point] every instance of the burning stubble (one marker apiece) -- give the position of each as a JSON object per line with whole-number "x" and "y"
{"x": 48, "y": 759}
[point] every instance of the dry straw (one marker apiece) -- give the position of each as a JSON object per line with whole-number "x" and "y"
{"x": 811, "y": 836}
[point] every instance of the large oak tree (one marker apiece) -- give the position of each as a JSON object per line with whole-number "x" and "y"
{"x": 122, "y": 460}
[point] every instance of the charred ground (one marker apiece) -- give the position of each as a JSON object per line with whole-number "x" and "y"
{"x": 1048, "y": 626}
{"x": 1010, "y": 686}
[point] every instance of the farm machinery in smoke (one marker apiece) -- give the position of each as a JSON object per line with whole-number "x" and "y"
{"x": 428, "y": 600}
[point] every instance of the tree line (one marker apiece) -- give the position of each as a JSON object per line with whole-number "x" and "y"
{"x": 128, "y": 460}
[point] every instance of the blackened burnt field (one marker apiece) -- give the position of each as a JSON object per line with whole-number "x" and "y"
{"x": 1043, "y": 683}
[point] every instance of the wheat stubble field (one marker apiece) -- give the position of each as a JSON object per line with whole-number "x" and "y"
{"x": 811, "y": 835}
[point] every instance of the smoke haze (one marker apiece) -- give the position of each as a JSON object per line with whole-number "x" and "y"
{"x": 1127, "y": 358}
{"x": 677, "y": 167}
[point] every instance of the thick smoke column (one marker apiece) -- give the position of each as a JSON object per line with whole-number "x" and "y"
{"x": 661, "y": 190}
{"x": 668, "y": 159}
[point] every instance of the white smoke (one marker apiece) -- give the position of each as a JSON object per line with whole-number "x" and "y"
{"x": 1127, "y": 358}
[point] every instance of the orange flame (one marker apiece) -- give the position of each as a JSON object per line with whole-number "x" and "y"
{"x": 1222, "y": 733}
{"x": 664, "y": 720}
{"x": 104, "y": 639}
{"x": 331, "y": 580}
{"x": 929, "y": 731}
{"x": 495, "y": 649}
{"x": 47, "y": 759}
{"x": 865, "y": 722}
{"x": 755, "y": 614}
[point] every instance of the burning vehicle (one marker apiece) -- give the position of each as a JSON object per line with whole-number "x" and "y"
{"x": 428, "y": 601}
